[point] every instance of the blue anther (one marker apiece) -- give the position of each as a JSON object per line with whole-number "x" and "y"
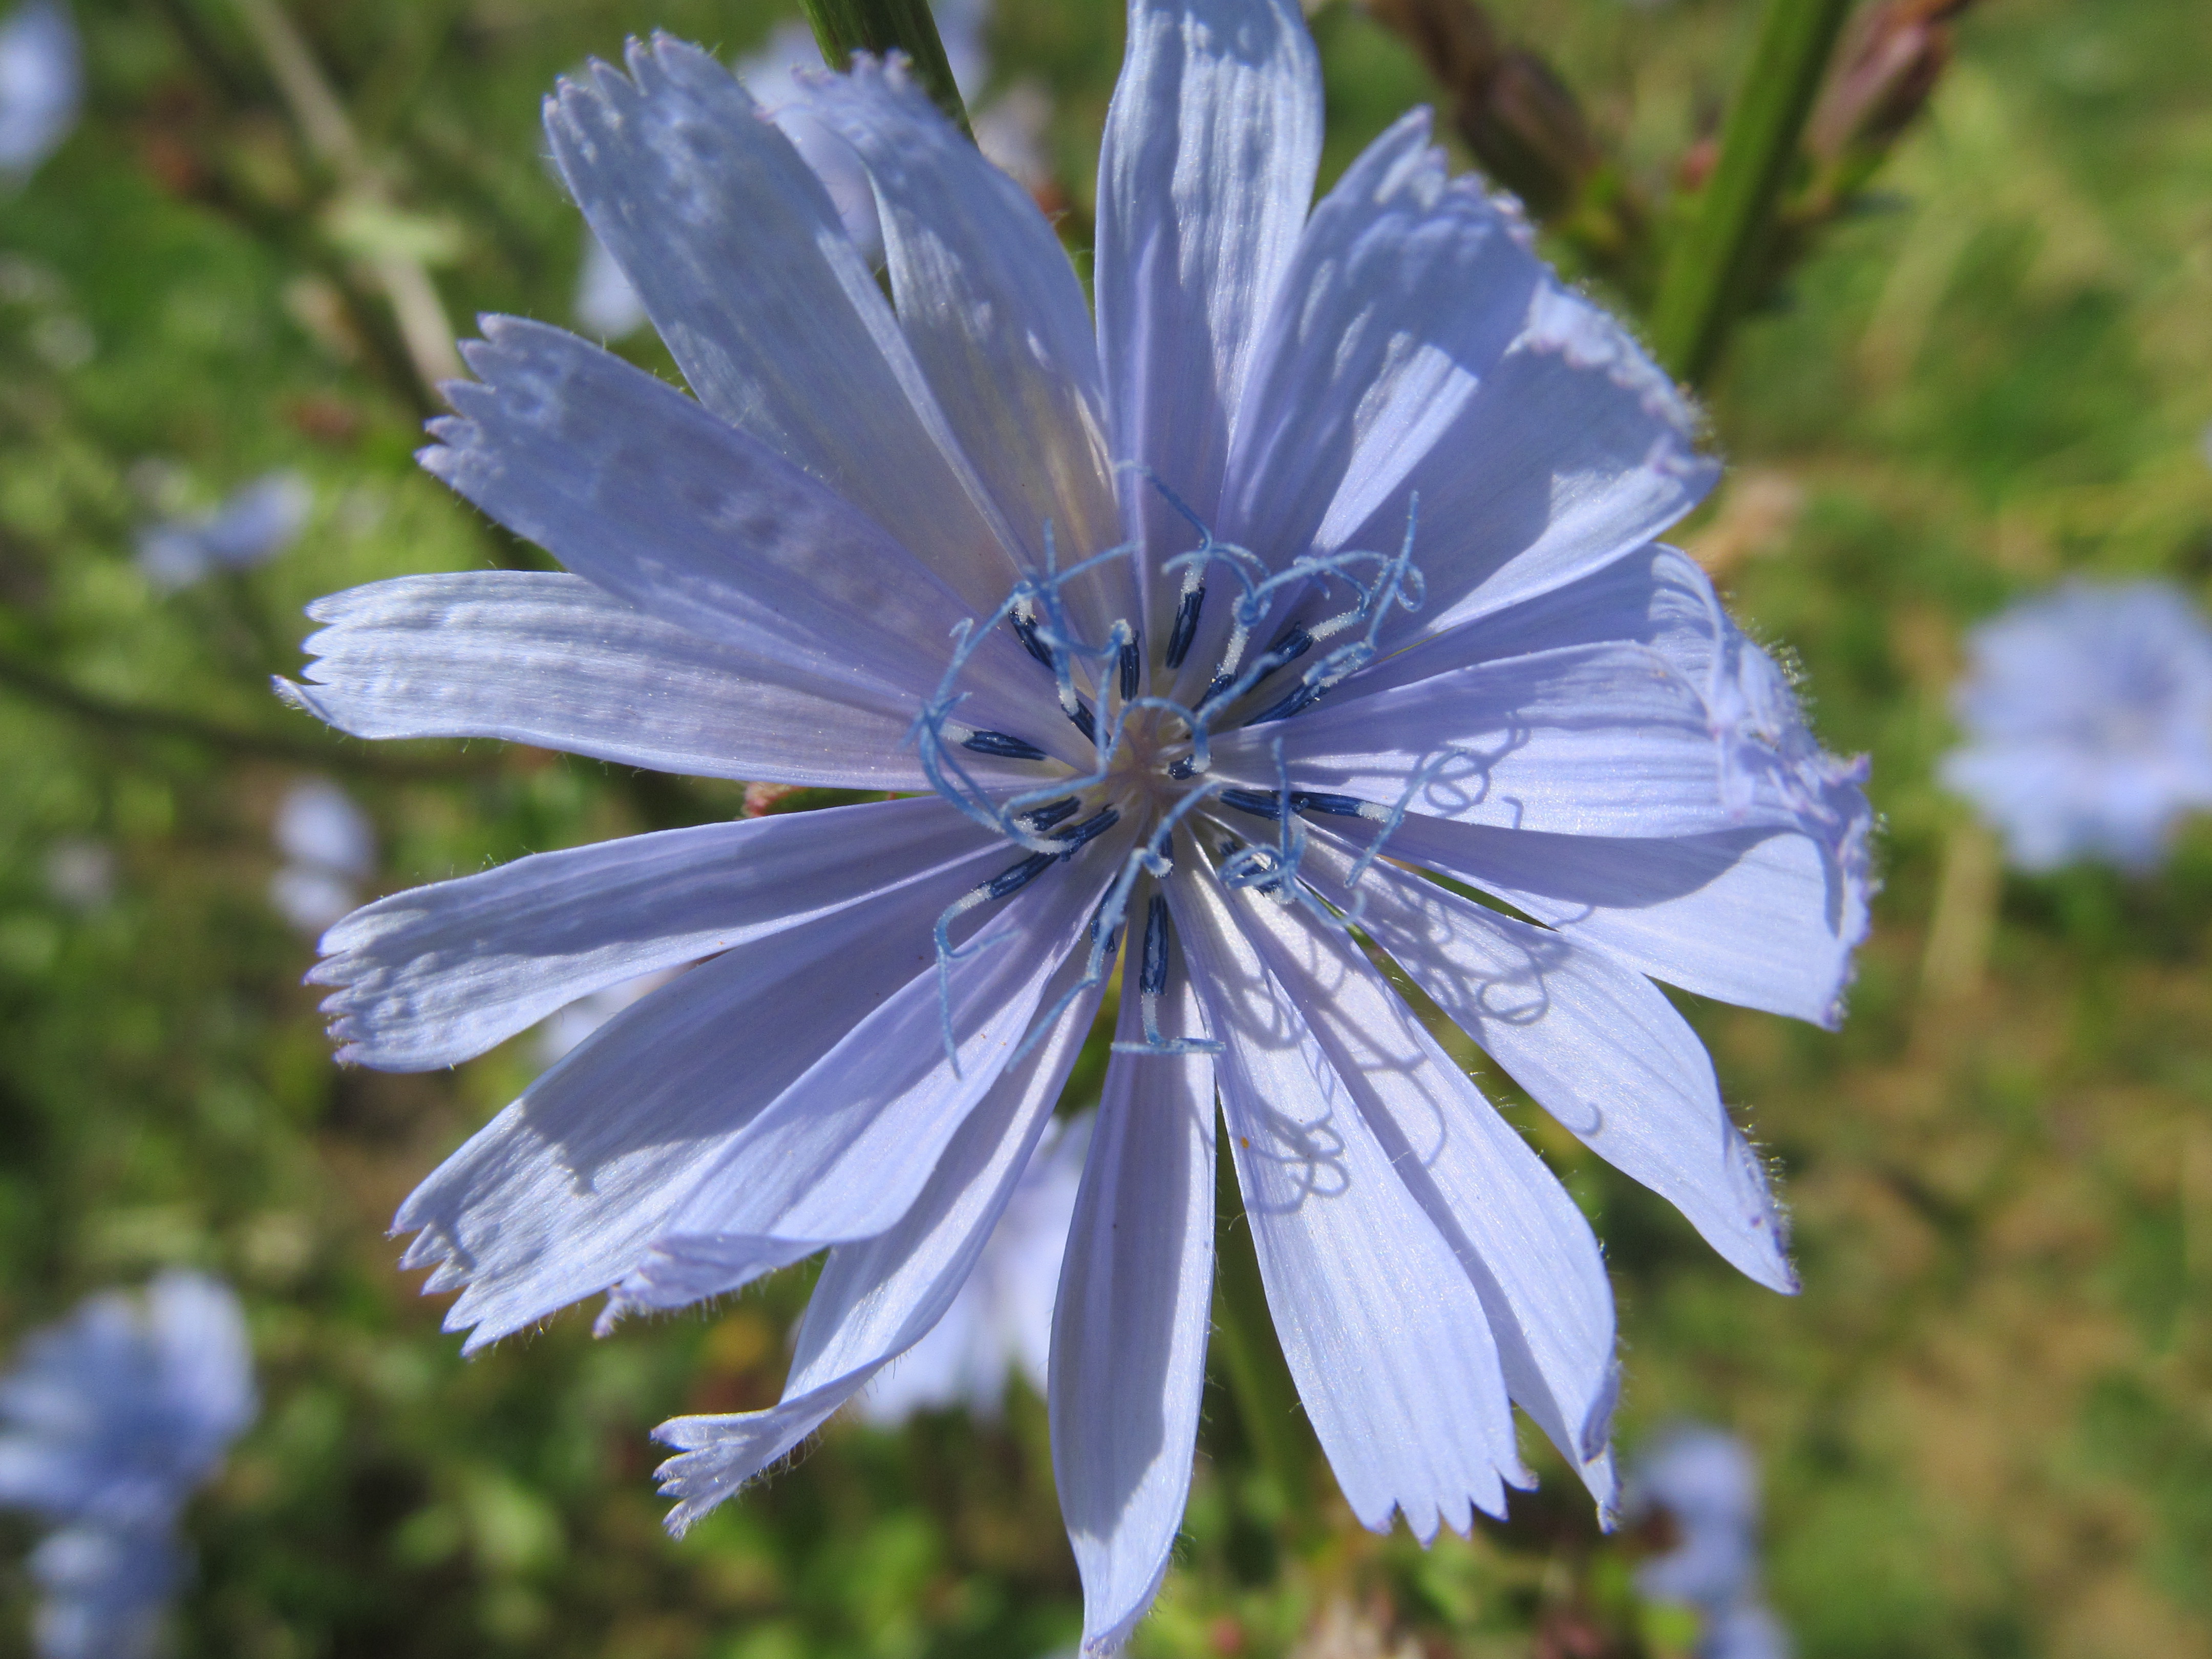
{"x": 1038, "y": 819}
{"x": 1215, "y": 687}
{"x": 1185, "y": 768}
{"x": 998, "y": 743}
{"x": 1112, "y": 942}
{"x": 1304, "y": 696}
{"x": 1294, "y": 644}
{"x": 1186, "y": 624}
{"x": 1007, "y": 882}
{"x": 1085, "y": 722}
{"x": 1344, "y": 807}
{"x": 1260, "y": 803}
{"x": 1077, "y": 836}
{"x": 1130, "y": 664}
{"x": 1153, "y": 979}
{"x": 1025, "y": 631}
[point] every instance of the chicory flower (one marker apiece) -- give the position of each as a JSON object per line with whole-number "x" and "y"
{"x": 108, "y": 1422}
{"x": 2087, "y": 714}
{"x": 1324, "y": 558}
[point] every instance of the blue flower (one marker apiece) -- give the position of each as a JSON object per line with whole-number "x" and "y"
{"x": 256, "y": 523}
{"x": 2087, "y": 714}
{"x": 1330, "y": 541}
{"x": 111, "y": 1420}
{"x": 42, "y": 85}
{"x": 1707, "y": 1484}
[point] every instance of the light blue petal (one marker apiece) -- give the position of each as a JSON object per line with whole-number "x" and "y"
{"x": 1406, "y": 288}
{"x": 845, "y": 1150}
{"x": 1592, "y": 1041}
{"x": 999, "y": 1327}
{"x": 775, "y": 320}
{"x": 1204, "y": 179}
{"x": 997, "y": 319}
{"x": 635, "y": 487}
{"x": 558, "y": 1197}
{"x": 1574, "y": 451}
{"x": 877, "y": 1297}
{"x": 1600, "y": 740}
{"x": 1129, "y": 1332}
{"x": 1522, "y": 1242}
{"x": 1762, "y": 918}
{"x": 1386, "y": 1336}
{"x": 433, "y": 976}
{"x": 1656, "y": 597}
{"x": 557, "y": 662}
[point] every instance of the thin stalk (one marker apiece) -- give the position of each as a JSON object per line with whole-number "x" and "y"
{"x": 1709, "y": 270}
{"x": 1244, "y": 1339}
{"x": 330, "y": 135}
{"x": 842, "y": 27}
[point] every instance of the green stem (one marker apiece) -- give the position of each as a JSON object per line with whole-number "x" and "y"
{"x": 1709, "y": 271}
{"x": 842, "y": 27}
{"x": 1244, "y": 1340}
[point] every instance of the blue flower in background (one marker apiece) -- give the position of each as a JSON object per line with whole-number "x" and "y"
{"x": 1001, "y": 1322}
{"x": 1333, "y": 538}
{"x": 1707, "y": 1483}
{"x": 42, "y": 85}
{"x": 256, "y": 523}
{"x": 108, "y": 1422}
{"x": 329, "y": 846}
{"x": 2087, "y": 714}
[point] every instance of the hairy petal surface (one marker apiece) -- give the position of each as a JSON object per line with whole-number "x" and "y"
{"x": 1575, "y": 450}
{"x": 1597, "y": 740}
{"x": 1129, "y": 1330}
{"x": 1406, "y": 285}
{"x": 997, "y": 320}
{"x": 743, "y": 264}
{"x": 1204, "y": 179}
{"x": 844, "y": 1152}
{"x": 635, "y": 487}
{"x": 1592, "y": 1041}
{"x": 436, "y": 975}
{"x": 559, "y": 1196}
{"x": 877, "y": 1297}
{"x": 1762, "y": 918}
{"x": 1520, "y": 1240}
{"x": 558, "y": 662}
{"x": 1386, "y": 1336}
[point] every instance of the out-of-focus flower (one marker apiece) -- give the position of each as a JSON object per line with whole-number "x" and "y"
{"x": 563, "y": 1031}
{"x": 1706, "y": 1482}
{"x": 41, "y": 85}
{"x": 257, "y": 522}
{"x": 2087, "y": 715}
{"x": 1001, "y": 1322}
{"x": 605, "y": 302}
{"x": 81, "y": 873}
{"x": 108, "y": 1422}
{"x": 1011, "y": 132}
{"x": 329, "y": 850}
{"x": 1331, "y": 538}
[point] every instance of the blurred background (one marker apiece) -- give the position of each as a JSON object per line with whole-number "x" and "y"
{"x": 1982, "y": 361}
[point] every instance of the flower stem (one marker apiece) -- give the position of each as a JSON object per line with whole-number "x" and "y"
{"x": 844, "y": 27}
{"x": 1707, "y": 277}
{"x": 1244, "y": 1339}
